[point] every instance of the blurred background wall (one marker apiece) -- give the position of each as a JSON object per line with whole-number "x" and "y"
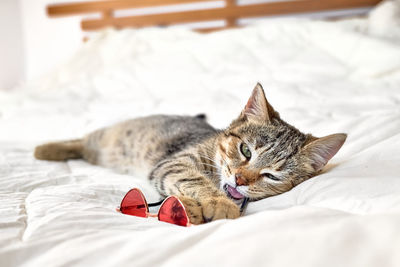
{"x": 31, "y": 43}
{"x": 11, "y": 44}
{"x": 46, "y": 41}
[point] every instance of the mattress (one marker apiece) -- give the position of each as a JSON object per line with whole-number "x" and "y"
{"x": 323, "y": 77}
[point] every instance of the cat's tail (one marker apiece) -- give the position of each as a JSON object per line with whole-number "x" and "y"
{"x": 60, "y": 151}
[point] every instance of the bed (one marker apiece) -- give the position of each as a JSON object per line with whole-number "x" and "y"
{"x": 322, "y": 76}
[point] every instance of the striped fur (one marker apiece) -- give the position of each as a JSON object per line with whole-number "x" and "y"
{"x": 187, "y": 157}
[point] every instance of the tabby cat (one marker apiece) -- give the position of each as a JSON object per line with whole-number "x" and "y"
{"x": 257, "y": 156}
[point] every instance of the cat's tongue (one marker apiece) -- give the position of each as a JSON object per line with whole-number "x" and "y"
{"x": 234, "y": 193}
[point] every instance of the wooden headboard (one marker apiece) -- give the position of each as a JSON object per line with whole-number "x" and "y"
{"x": 230, "y": 11}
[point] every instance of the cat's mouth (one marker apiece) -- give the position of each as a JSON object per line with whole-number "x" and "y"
{"x": 232, "y": 192}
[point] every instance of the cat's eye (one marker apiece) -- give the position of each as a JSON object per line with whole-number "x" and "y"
{"x": 270, "y": 176}
{"x": 245, "y": 151}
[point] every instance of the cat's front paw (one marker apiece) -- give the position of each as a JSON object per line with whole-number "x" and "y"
{"x": 209, "y": 209}
{"x": 217, "y": 208}
{"x": 193, "y": 209}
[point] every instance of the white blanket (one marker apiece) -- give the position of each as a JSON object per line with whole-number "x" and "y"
{"x": 323, "y": 77}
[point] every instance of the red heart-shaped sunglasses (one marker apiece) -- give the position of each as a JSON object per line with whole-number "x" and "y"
{"x": 171, "y": 210}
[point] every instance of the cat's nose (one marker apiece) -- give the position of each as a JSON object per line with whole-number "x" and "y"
{"x": 239, "y": 179}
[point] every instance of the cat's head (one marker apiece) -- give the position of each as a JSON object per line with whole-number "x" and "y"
{"x": 260, "y": 155}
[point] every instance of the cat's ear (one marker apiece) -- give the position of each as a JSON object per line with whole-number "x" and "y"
{"x": 320, "y": 150}
{"x": 257, "y": 106}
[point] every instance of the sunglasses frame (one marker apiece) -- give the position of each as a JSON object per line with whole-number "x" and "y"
{"x": 160, "y": 203}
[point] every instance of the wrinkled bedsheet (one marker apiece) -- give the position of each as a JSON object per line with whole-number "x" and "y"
{"x": 323, "y": 77}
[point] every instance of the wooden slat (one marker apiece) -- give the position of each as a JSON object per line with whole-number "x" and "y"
{"x": 243, "y": 11}
{"x": 66, "y": 9}
{"x": 107, "y": 14}
{"x": 230, "y": 21}
{"x": 215, "y": 29}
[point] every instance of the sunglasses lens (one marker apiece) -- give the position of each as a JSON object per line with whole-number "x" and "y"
{"x": 172, "y": 211}
{"x": 134, "y": 204}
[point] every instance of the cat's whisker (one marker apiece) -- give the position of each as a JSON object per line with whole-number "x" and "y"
{"x": 209, "y": 165}
{"x": 210, "y": 159}
{"x": 205, "y": 156}
{"x": 226, "y": 165}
